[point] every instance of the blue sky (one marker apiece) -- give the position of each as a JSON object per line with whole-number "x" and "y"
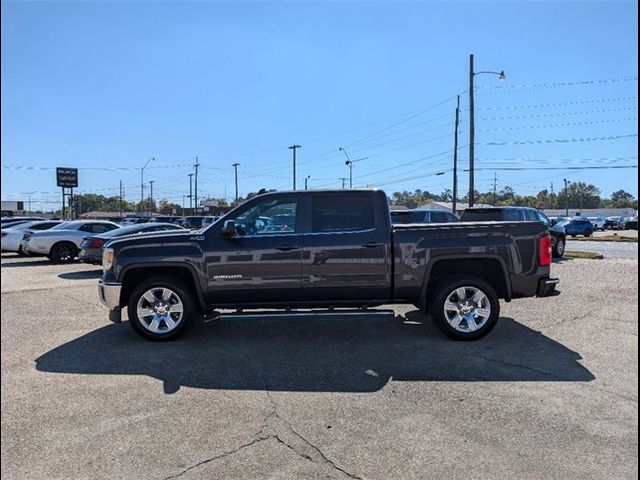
{"x": 104, "y": 86}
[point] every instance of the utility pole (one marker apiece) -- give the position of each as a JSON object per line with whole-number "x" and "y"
{"x": 566, "y": 197}
{"x": 472, "y": 136}
{"x": 120, "y": 200}
{"x": 306, "y": 179}
{"x": 183, "y": 197}
{"x": 151, "y": 206}
{"x": 196, "y": 183}
{"x": 190, "y": 191}
{"x": 553, "y": 200}
{"x": 454, "y": 206}
{"x": 294, "y": 148}
{"x": 495, "y": 188}
{"x": 235, "y": 166}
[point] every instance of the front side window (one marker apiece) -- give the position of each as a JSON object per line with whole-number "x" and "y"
{"x": 343, "y": 214}
{"x": 271, "y": 217}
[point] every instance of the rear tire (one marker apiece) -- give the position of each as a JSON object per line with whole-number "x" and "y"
{"x": 63, "y": 252}
{"x": 559, "y": 248}
{"x": 168, "y": 304}
{"x": 458, "y": 324}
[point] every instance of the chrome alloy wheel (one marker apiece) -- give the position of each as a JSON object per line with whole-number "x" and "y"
{"x": 467, "y": 309}
{"x": 160, "y": 310}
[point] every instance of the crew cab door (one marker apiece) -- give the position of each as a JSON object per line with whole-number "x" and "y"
{"x": 347, "y": 249}
{"x": 262, "y": 263}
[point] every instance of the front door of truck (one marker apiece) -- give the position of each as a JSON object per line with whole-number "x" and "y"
{"x": 262, "y": 262}
{"x": 346, "y": 254}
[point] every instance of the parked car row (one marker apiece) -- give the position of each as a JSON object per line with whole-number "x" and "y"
{"x": 62, "y": 242}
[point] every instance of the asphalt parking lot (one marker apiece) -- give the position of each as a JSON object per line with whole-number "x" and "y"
{"x": 551, "y": 393}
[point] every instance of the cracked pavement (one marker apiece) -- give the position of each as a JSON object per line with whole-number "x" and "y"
{"x": 552, "y": 392}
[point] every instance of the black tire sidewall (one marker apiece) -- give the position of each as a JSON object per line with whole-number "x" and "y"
{"x": 179, "y": 288}
{"x": 440, "y": 297}
{"x": 55, "y": 256}
{"x": 556, "y": 251}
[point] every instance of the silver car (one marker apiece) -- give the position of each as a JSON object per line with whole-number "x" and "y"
{"x": 62, "y": 242}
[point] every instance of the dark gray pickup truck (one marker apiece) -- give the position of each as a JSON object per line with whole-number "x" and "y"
{"x": 326, "y": 249}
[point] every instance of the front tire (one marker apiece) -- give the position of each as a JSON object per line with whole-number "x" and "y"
{"x": 159, "y": 308}
{"x": 588, "y": 233}
{"x": 465, "y": 308}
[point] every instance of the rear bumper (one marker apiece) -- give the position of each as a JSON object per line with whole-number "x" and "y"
{"x": 547, "y": 287}
{"x": 109, "y": 294}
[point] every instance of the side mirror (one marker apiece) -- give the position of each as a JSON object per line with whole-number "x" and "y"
{"x": 229, "y": 228}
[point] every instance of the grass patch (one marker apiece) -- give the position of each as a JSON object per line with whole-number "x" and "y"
{"x": 607, "y": 238}
{"x": 587, "y": 255}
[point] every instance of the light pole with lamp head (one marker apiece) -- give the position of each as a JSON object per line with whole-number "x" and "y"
{"x": 152, "y": 159}
{"x": 472, "y": 132}
{"x": 350, "y": 163}
{"x": 306, "y": 180}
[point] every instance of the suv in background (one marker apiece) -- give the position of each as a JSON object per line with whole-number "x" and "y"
{"x": 419, "y": 215}
{"x": 577, "y": 226}
{"x": 520, "y": 214}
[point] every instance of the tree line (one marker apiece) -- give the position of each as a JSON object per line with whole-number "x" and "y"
{"x": 577, "y": 195}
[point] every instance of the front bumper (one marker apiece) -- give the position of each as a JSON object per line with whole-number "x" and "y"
{"x": 547, "y": 287}
{"x": 109, "y": 294}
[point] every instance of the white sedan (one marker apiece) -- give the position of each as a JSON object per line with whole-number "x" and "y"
{"x": 12, "y": 236}
{"x": 62, "y": 243}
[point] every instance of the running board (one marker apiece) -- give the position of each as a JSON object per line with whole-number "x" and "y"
{"x": 299, "y": 314}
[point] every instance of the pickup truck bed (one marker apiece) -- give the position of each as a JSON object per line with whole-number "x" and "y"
{"x": 317, "y": 249}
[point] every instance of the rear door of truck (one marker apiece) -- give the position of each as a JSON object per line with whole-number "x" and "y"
{"x": 347, "y": 248}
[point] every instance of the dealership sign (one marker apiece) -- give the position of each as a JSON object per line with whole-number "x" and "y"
{"x": 67, "y": 177}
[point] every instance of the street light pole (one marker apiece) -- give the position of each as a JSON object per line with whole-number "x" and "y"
{"x": 152, "y": 159}
{"x": 190, "y": 191}
{"x": 294, "y": 148}
{"x": 566, "y": 197}
{"x": 235, "y": 166}
{"x": 472, "y": 127}
{"x": 306, "y": 179}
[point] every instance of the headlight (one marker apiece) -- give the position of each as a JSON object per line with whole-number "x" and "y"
{"x": 107, "y": 259}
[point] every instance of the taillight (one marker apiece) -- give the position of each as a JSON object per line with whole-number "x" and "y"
{"x": 4, "y": 234}
{"x": 544, "y": 251}
{"x": 96, "y": 243}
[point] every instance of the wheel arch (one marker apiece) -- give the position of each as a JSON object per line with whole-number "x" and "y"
{"x": 132, "y": 275}
{"x": 491, "y": 268}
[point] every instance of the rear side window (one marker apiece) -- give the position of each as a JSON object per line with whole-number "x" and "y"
{"x": 482, "y": 216}
{"x": 530, "y": 216}
{"x": 405, "y": 217}
{"x": 343, "y": 214}
{"x": 442, "y": 217}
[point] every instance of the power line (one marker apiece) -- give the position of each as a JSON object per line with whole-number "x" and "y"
{"x": 558, "y": 104}
{"x": 558, "y": 140}
{"x": 559, "y": 125}
{"x": 560, "y": 114}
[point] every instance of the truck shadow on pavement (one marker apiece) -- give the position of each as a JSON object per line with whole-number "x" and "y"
{"x": 318, "y": 355}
